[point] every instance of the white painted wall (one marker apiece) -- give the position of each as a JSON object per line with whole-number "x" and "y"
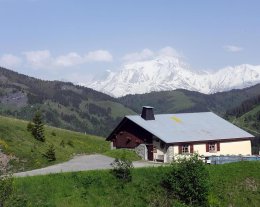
{"x": 159, "y": 150}
{"x": 169, "y": 154}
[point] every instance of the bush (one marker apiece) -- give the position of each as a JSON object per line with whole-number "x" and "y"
{"x": 70, "y": 143}
{"x": 122, "y": 169}
{"x": 29, "y": 127}
{"x": 50, "y": 153}
{"x": 188, "y": 182}
{"x": 6, "y": 185}
{"x": 62, "y": 143}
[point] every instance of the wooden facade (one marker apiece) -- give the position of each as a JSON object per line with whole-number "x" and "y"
{"x": 129, "y": 135}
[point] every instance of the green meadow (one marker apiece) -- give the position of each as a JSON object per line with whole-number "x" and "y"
{"x": 235, "y": 184}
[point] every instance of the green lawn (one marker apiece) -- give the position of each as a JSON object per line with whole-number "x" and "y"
{"x": 236, "y": 184}
{"x": 123, "y": 154}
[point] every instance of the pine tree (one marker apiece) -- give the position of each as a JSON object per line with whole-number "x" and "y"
{"x": 50, "y": 153}
{"x": 37, "y": 129}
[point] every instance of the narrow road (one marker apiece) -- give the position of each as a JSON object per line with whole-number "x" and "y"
{"x": 81, "y": 163}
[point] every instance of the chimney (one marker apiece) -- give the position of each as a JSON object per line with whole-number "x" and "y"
{"x": 147, "y": 113}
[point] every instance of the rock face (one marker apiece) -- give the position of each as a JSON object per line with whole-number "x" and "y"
{"x": 169, "y": 73}
{"x": 4, "y": 160}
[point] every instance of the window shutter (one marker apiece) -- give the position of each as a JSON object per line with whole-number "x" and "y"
{"x": 180, "y": 149}
{"x": 191, "y": 148}
{"x": 218, "y": 146}
{"x": 207, "y": 147}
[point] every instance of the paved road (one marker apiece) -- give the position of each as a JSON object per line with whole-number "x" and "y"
{"x": 80, "y": 163}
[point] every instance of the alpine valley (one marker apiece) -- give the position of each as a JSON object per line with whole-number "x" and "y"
{"x": 165, "y": 73}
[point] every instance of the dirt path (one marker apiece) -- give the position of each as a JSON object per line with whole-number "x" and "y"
{"x": 80, "y": 163}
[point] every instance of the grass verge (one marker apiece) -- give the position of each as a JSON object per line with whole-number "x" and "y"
{"x": 123, "y": 154}
{"x": 235, "y": 184}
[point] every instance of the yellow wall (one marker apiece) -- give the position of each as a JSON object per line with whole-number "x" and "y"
{"x": 226, "y": 148}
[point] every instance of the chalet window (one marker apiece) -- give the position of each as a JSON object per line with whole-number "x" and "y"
{"x": 185, "y": 149}
{"x": 212, "y": 147}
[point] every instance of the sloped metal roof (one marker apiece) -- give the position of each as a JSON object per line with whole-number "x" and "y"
{"x": 187, "y": 127}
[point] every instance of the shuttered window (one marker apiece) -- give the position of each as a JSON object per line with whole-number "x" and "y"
{"x": 185, "y": 148}
{"x": 191, "y": 148}
{"x": 180, "y": 149}
{"x": 212, "y": 147}
{"x": 218, "y": 146}
{"x": 207, "y": 147}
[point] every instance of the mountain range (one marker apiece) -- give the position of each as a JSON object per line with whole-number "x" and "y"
{"x": 83, "y": 109}
{"x": 165, "y": 73}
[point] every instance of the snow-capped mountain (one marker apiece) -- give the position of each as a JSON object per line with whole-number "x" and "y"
{"x": 169, "y": 73}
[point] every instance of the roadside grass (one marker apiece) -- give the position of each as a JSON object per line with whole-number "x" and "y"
{"x": 92, "y": 188}
{"x": 235, "y": 184}
{"x": 123, "y": 154}
{"x": 16, "y": 141}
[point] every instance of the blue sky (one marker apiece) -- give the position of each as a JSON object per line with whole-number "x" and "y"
{"x": 75, "y": 40}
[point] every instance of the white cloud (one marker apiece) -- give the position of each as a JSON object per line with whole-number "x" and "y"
{"x": 10, "y": 61}
{"x": 38, "y": 59}
{"x": 147, "y": 54}
{"x": 44, "y": 59}
{"x": 233, "y": 48}
{"x": 68, "y": 60}
{"x": 99, "y": 56}
{"x": 138, "y": 56}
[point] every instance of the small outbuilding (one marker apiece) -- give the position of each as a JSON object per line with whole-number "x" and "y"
{"x": 161, "y": 137}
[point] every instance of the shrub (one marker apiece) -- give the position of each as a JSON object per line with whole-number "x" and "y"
{"x": 70, "y": 143}
{"x": 6, "y": 188}
{"x": 29, "y": 127}
{"x": 62, "y": 143}
{"x": 188, "y": 182}
{"x": 50, "y": 153}
{"x": 122, "y": 169}
{"x": 6, "y": 185}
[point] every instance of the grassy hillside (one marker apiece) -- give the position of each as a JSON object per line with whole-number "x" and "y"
{"x": 249, "y": 121}
{"x": 16, "y": 141}
{"x": 63, "y": 104}
{"x": 236, "y": 184}
{"x": 189, "y": 101}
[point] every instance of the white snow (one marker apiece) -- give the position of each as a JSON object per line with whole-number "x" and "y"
{"x": 169, "y": 73}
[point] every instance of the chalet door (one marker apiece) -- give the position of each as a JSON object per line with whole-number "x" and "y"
{"x": 150, "y": 152}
